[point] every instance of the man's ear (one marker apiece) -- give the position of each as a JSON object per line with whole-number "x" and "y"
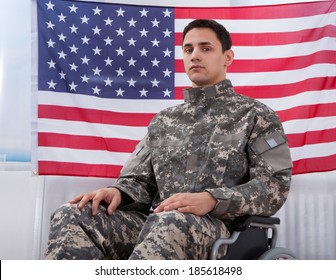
{"x": 229, "y": 55}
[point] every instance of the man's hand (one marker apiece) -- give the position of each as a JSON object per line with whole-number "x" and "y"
{"x": 111, "y": 196}
{"x": 195, "y": 203}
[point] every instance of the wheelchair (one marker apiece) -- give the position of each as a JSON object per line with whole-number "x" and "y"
{"x": 251, "y": 240}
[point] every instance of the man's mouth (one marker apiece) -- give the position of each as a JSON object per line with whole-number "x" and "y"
{"x": 195, "y": 67}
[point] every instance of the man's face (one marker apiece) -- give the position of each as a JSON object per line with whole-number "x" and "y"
{"x": 204, "y": 61}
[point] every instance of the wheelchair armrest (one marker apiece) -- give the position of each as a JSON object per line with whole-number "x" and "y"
{"x": 243, "y": 227}
{"x": 243, "y": 222}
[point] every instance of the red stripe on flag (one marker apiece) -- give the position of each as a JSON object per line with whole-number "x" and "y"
{"x": 86, "y": 142}
{"x": 93, "y": 115}
{"x": 276, "y": 38}
{"x": 282, "y": 64}
{"x": 309, "y": 165}
{"x": 258, "y": 12}
{"x": 78, "y": 169}
{"x": 277, "y": 91}
{"x": 283, "y": 38}
{"x": 102, "y": 170}
{"x": 179, "y": 92}
{"x": 308, "y": 111}
{"x": 311, "y": 137}
{"x": 276, "y": 64}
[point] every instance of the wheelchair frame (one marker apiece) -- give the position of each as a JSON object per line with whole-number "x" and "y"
{"x": 250, "y": 239}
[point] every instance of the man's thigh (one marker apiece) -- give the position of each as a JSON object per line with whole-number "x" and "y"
{"x": 176, "y": 235}
{"x": 78, "y": 234}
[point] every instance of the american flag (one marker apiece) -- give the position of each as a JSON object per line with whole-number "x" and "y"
{"x": 104, "y": 70}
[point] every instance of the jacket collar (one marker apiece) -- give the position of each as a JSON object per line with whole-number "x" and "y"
{"x": 195, "y": 95}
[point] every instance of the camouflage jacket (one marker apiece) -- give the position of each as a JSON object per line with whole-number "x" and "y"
{"x": 217, "y": 141}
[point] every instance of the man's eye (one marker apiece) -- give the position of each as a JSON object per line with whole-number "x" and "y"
{"x": 188, "y": 50}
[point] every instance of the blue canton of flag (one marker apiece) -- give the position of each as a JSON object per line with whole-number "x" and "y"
{"x": 109, "y": 51}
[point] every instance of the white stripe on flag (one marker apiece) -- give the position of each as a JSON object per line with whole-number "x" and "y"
{"x": 281, "y": 51}
{"x": 91, "y": 129}
{"x": 313, "y": 151}
{"x": 313, "y": 124}
{"x": 268, "y": 25}
{"x": 82, "y": 156}
{"x": 271, "y": 78}
{"x": 301, "y": 99}
{"x": 106, "y": 104}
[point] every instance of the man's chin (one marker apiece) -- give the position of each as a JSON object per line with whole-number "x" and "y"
{"x": 198, "y": 81}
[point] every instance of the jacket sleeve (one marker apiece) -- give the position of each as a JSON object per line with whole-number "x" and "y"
{"x": 137, "y": 180}
{"x": 270, "y": 169}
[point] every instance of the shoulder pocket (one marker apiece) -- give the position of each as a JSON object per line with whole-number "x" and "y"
{"x": 274, "y": 150}
{"x": 268, "y": 142}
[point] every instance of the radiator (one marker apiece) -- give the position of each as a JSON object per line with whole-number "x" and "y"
{"x": 308, "y": 219}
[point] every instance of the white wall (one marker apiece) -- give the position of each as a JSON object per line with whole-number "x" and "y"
{"x": 18, "y": 192}
{"x": 27, "y": 202}
{"x": 308, "y": 219}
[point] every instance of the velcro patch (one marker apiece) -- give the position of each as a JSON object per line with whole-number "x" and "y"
{"x": 269, "y": 142}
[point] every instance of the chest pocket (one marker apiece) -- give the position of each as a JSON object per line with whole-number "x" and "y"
{"x": 227, "y": 155}
{"x": 165, "y": 143}
{"x": 166, "y": 152}
{"x": 229, "y": 139}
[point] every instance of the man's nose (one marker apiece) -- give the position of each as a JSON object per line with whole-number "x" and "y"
{"x": 195, "y": 55}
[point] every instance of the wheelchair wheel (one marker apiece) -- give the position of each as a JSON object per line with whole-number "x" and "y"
{"x": 278, "y": 254}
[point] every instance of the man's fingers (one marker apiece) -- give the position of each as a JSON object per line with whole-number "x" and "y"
{"x": 187, "y": 209}
{"x": 76, "y": 198}
{"x": 114, "y": 203}
{"x": 95, "y": 204}
{"x": 112, "y": 207}
{"x": 173, "y": 203}
{"x": 85, "y": 199}
{"x": 158, "y": 209}
{"x": 195, "y": 203}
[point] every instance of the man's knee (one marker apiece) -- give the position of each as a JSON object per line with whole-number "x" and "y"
{"x": 182, "y": 222}
{"x": 172, "y": 220}
{"x": 62, "y": 212}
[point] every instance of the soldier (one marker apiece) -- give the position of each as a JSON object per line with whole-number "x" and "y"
{"x": 217, "y": 156}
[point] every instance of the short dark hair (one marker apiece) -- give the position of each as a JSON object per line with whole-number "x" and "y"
{"x": 221, "y": 33}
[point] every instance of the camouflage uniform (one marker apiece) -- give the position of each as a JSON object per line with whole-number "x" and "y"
{"x": 217, "y": 141}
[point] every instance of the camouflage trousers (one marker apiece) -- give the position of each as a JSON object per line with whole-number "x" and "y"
{"x": 76, "y": 234}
